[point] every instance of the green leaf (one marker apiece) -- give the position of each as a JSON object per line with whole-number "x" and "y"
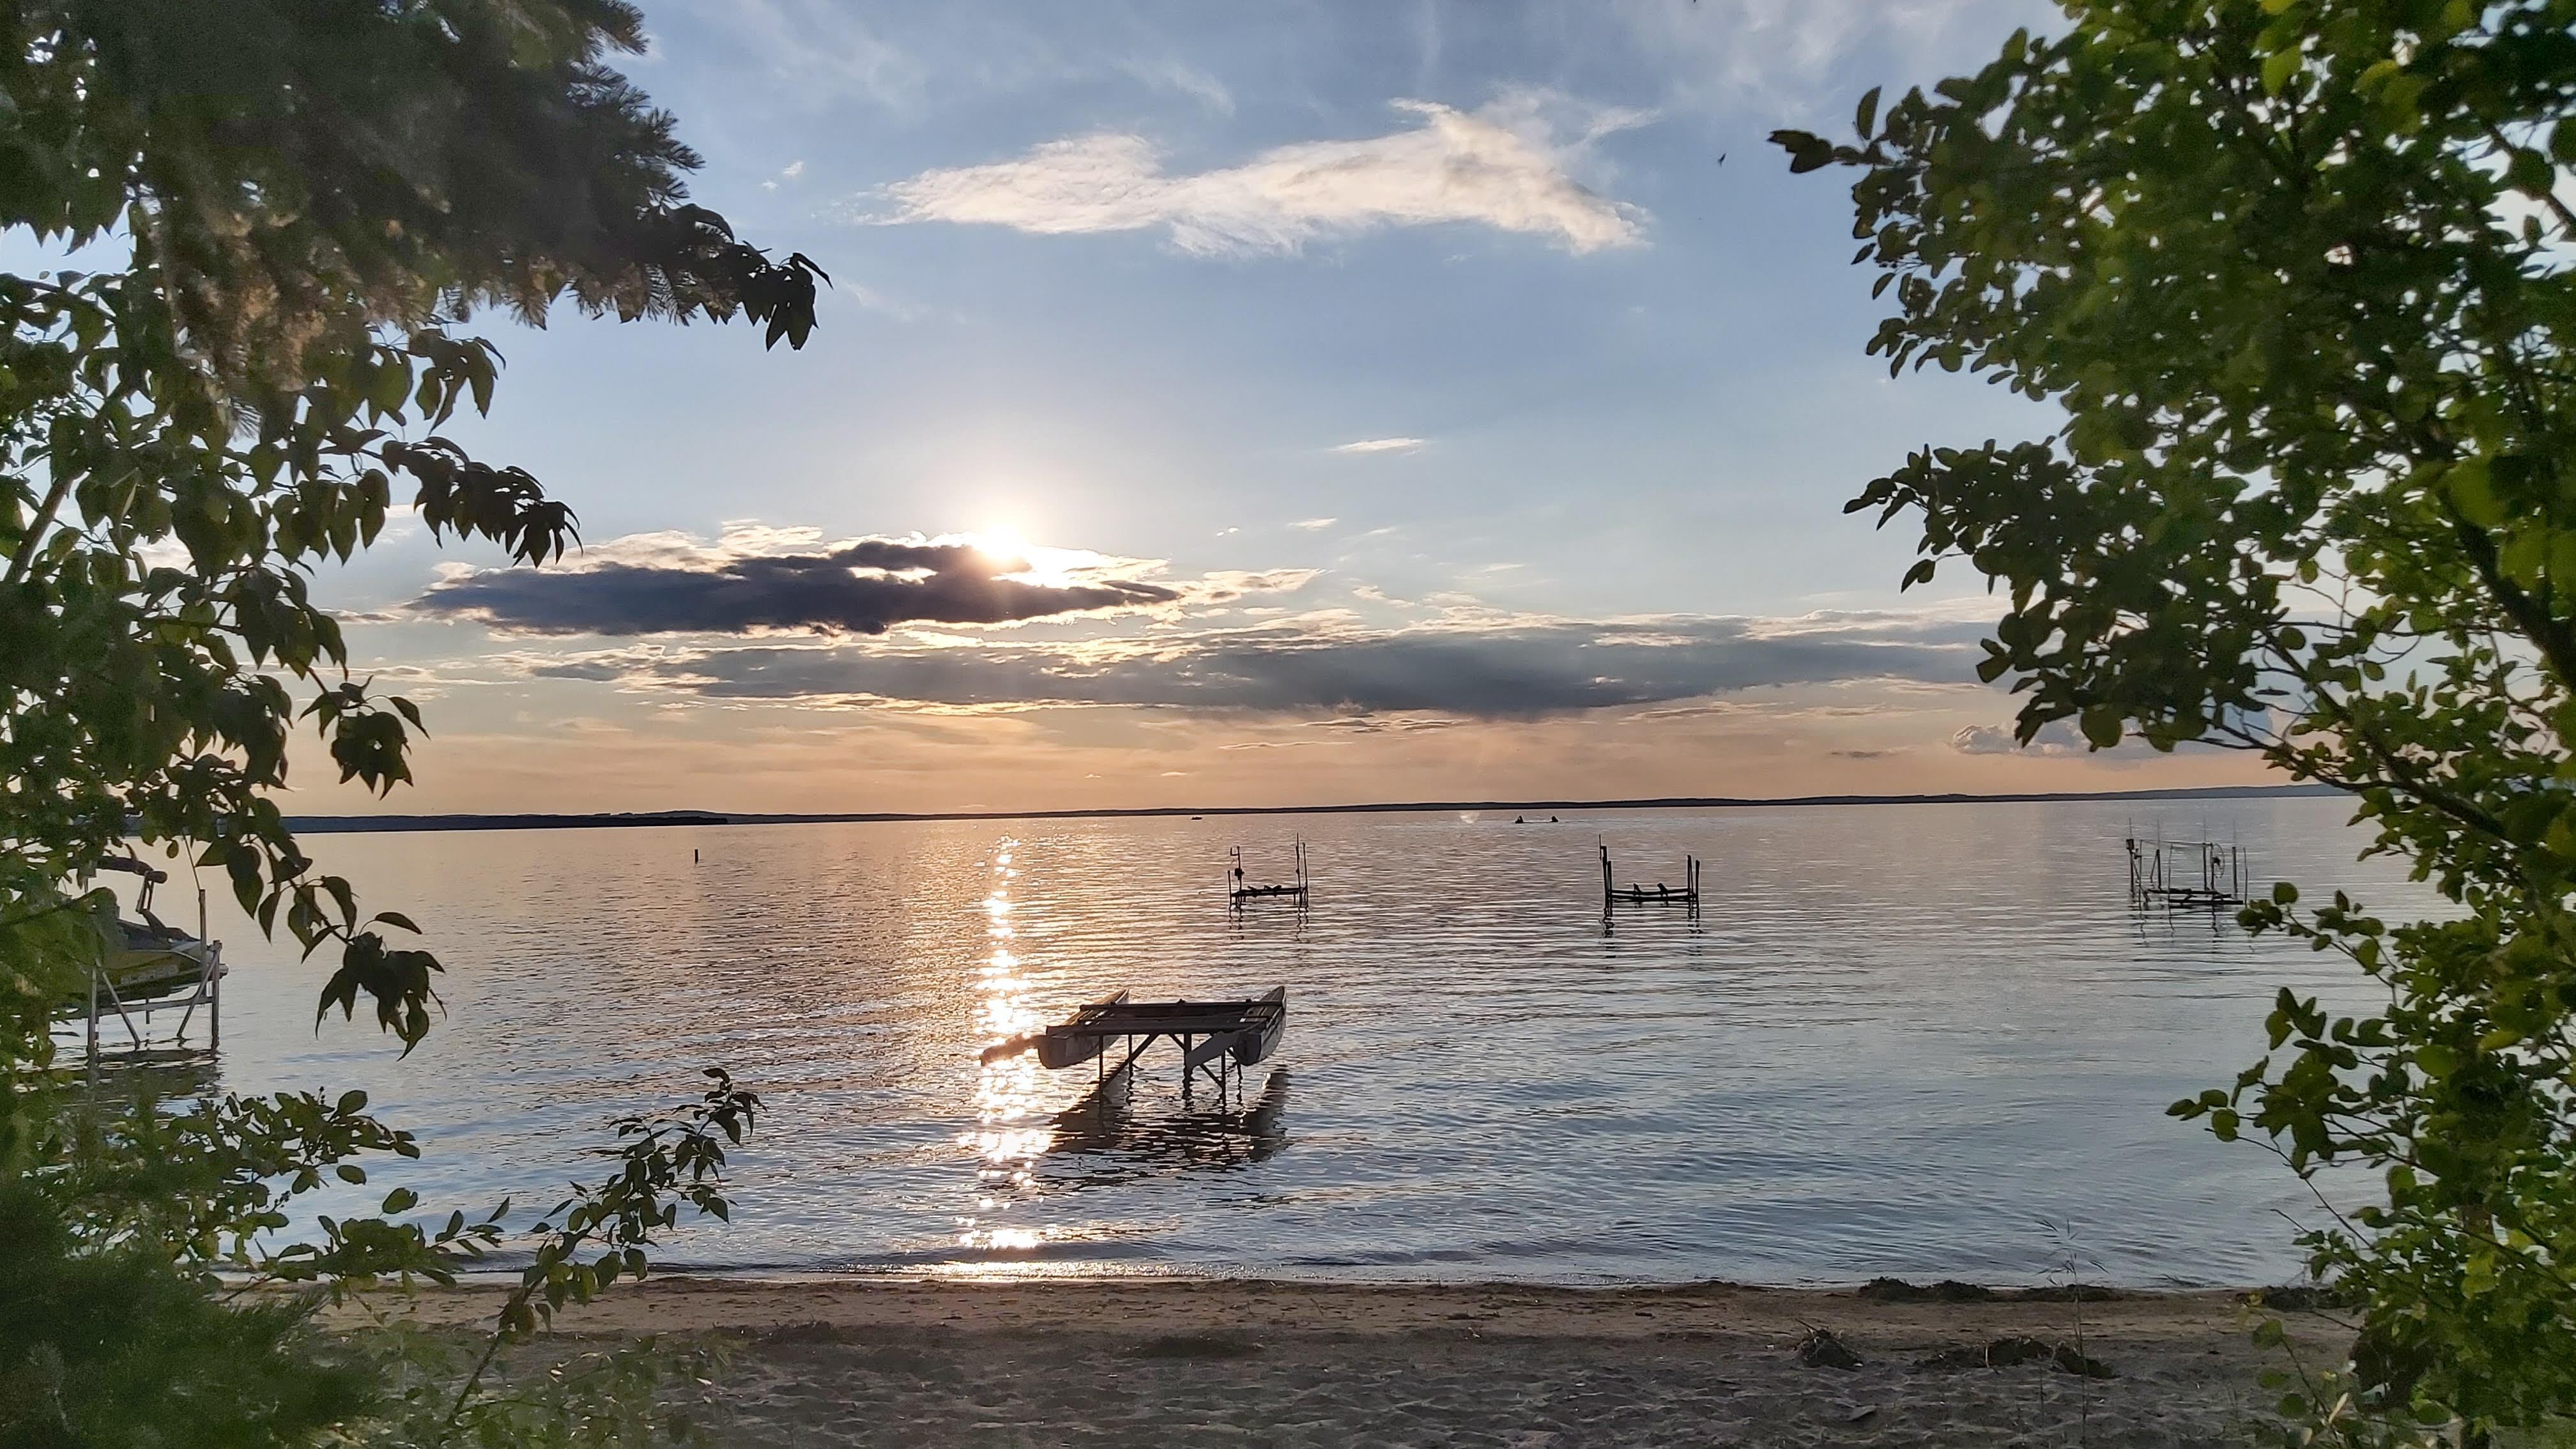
{"x": 2277, "y": 70}
{"x": 1807, "y": 152}
{"x": 2530, "y": 172}
{"x": 2469, "y": 488}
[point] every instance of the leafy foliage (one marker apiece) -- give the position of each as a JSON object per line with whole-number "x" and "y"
{"x": 306, "y": 203}
{"x": 2297, "y": 273}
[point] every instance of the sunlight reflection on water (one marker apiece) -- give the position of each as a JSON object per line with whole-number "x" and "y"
{"x": 1925, "y": 1040}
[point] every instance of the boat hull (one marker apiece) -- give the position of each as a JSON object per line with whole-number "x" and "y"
{"x": 1262, "y": 1037}
{"x": 149, "y": 965}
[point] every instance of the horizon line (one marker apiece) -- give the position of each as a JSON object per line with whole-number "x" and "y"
{"x": 599, "y": 820}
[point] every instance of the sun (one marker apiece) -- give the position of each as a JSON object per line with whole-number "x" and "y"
{"x": 1000, "y": 543}
{"x": 1036, "y": 564}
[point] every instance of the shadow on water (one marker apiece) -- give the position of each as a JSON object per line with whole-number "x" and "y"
{"x": 1108, "y": 1143}
{"x": 165, "y": 1074}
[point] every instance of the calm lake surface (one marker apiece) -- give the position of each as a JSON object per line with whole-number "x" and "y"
{"x": 1926, "y": 1040}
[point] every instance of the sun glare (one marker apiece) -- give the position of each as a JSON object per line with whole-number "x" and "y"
{"x": 1002, "y": 543}
{"x": 1037, "y": 564}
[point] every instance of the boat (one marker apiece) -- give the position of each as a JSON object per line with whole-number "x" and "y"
{"x": 153, "y": 960}
{"x": 147, "y": 960}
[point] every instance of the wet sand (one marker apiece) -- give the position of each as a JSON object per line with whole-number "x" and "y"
{"x": 1190, "y": 1362}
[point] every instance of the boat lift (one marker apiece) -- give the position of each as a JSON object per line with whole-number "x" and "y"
{"x": 1240, "y": 892}
{"x": 1657, "y": 894}
{"x": 1218, "y": 1038}
{"x": 2161, "y": 874}
{"x": 154, "y": 968}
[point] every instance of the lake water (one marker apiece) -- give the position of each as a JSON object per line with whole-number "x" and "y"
{"x": 1925, "y": 1040}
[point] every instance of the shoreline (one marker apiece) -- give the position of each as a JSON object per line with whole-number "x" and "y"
{"x": 883, "y": 1360}
{"x": 646, "y": 819}
{"x": 756, "y": 1303}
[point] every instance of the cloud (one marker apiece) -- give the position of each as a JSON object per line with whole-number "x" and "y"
{"x": 1775, "y": 58}
{"x": 1504, "y": 166}
{"x": 1321, "y": 664}
{"x": 1314, "y": 525}
{"x": 2057, "y": 737}
{"x": 1174, "y": 74}
{"x": 758, "y": 579}
{"x": 748, "y": 583}
{"x": 1379, "y": 445}
{"x": 1224, "y": 586}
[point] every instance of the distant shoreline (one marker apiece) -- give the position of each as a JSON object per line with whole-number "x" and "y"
{"x": 395, "y": 824}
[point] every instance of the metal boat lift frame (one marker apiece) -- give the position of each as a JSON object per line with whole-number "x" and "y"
{"x": 203, "y": 987}
{"x": 2154, "y": 874}
{"x": 206, "y": 989}
{"x": 1238, "y": 893}
{"x": 1659, "y": 894}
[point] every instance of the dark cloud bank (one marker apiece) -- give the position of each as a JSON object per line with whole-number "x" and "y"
{"x": 861, "y": 588}
{"x": 1519, "y": 670}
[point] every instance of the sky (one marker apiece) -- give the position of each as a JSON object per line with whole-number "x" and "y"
{"x": 1297, "y": 403}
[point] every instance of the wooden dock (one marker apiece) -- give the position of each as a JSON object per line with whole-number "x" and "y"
{"x": 1215, "y": 1037}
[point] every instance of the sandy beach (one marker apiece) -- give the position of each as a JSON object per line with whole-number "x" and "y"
{"x": 1189, "y": 1362}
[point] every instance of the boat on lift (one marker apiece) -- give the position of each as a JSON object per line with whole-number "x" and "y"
{"x": 147, "y": 961}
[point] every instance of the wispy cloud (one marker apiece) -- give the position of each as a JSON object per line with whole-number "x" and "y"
{"x": 1171, "y": 73}
{"x": 1505, "y": 165}
{"x": 1314, "y": 525}
{"x": 1379, "y": 445}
